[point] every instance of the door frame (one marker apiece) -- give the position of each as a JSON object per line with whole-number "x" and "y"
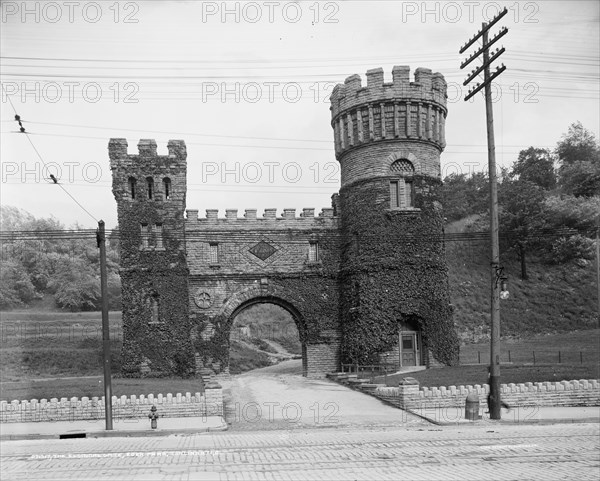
{"x": 416, "y": 346}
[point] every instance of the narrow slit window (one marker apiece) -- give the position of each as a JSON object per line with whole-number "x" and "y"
{"x": 145, "y": 231}
{"x": 394, "y": 194}
{"x": 158, "y": 236}
{"x": 214, "y": 254}
{"x": 150, "y": 187}
{"x": 132, "y": 183}
{"x": 167, "y": 187}
{"x": 408, "y": 193}
{"x": 154, "y": 305}
{"x": 313, "y": 252}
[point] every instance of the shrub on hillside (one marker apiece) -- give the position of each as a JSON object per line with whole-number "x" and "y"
{"x": 565, "y": 249}
{"x": 16, "y": 288}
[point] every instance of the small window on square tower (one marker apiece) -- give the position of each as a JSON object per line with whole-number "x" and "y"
{"x": 153, "y": 304}
{"x": 131, "y": 181}
{"x": 167, "y": 187}
{"x": 150, "y": 187}
{"x": 313, "y": 251}
{"x": 158, "y": 236}
{"x": 214, "y": 254}
{"x": 145, "y": 234}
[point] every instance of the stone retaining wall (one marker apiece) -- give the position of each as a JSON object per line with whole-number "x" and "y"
{"x": 408, "y": 395}
{"x": 133, "y": 407}
{"x": 564, "y": 393}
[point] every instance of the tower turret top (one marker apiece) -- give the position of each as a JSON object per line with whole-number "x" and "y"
{"x": 427, "y": 87}
{"x": 400, "y": 111}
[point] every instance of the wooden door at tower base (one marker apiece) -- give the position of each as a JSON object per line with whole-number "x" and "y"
{"x": 409, "y": 349}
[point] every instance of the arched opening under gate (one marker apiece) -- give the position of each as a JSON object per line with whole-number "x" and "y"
{"x": 264, "y": 331}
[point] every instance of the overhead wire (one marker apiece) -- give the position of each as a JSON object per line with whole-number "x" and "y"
{"x": 24, "y": 131}
{"x": 200, "y": 230}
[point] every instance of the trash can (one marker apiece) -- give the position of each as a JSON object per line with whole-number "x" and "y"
{"x": 472, "y": 407}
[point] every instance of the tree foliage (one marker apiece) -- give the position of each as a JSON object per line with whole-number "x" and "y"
{"x": 581, "y": 178}
{"x": 68, "y": 270}
{"x": 536, "y": 201}
{"x": 463, "y": 195}
{"x": 520, "y": 215}
{"x": 579, "y": 155}
{"x": 536, "y": 166}
{"x": 578, "y": 144}
{"x": 16, "y": 288}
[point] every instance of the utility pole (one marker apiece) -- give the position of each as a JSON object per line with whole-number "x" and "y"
{"x": 598, "y": 263}
{"x": 101, "y": 239}
{"x": 496, "y": 269}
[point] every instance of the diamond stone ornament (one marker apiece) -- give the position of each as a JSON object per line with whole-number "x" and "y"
{"x": 262, "y": 250}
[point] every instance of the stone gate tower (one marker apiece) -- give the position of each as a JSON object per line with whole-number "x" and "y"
{"x": 150, "y": 193}
{"x": 364, "y": 280}
{"x": 393, "y": 276}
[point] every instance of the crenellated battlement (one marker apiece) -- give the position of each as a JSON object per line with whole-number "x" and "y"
{"x": 427, "y": 86}
{"x": 269, "y": 218}
{"x": 117, "y": 149}
{"x": 148, "y": 164}
{"x": 386, "y": 111}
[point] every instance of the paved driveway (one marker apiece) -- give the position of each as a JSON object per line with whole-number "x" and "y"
{"x": 278, "y": 397}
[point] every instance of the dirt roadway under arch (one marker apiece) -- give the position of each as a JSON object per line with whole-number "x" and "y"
{"x": 278, "y": 397}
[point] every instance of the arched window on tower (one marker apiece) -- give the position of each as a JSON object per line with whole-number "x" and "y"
{"x": 150, "y": 187}
{"x": 401, "y": 188}
{"x": 131, "y": 182}
{"x": 153, "y": 303}
{"x": 167, "y": 187}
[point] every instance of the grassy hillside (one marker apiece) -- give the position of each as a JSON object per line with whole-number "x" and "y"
{"x": 555, "y": 298}
{"x": 262, "y": 321}
{"x": 269, "y": 321}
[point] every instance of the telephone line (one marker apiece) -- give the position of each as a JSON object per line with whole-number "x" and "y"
{"x": 23, "y": 131}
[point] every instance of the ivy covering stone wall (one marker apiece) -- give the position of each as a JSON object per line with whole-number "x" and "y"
{"x": 394, "y": 270}
{"x": 154, "y": 273}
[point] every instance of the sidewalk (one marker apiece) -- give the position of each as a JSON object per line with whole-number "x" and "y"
{"x": 121, "y": 428}
{"x": 452, "y": 416}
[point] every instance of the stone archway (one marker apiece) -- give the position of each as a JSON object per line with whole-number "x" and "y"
{"x": 249, "y": 297}
{"x": 299, "y": 322}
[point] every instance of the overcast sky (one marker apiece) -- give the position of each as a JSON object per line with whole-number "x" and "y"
{"x": 246, "y": 85}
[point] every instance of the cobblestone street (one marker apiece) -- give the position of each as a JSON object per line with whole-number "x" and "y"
{"x": 474, "y": 452}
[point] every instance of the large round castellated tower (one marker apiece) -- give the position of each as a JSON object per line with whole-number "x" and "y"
{"x": 393, "y": 280}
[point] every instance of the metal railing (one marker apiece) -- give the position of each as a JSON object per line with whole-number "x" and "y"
{"x": 371, "y": 371}
{"x": 533, "y": 357}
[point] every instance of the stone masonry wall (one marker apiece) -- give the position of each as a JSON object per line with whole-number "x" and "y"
{"x": 264, "y": 259}
{"x": 563, "y": 393}
{"x": 371, "y": 161}
{"x": 323, "y": 358}
{"x": 287, "y": 240}
{"x": 210, "y": 403}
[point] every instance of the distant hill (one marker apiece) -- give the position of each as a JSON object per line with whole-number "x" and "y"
{"x": 261, "y": 322}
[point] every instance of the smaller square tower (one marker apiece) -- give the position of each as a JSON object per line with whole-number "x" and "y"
{"x": 150, "y": 193}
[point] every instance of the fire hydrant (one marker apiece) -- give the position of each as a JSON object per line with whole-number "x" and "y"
{"x": 153, "y": 416}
